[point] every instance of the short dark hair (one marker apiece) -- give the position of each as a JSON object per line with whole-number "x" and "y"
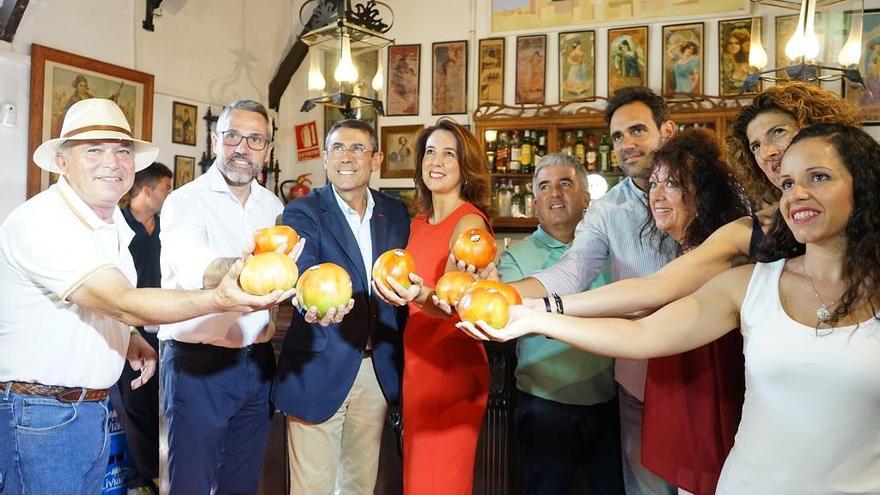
{"x": 150, "y": 176}
{"x": 632, "y": 94}
{"x": 359, "y": 125}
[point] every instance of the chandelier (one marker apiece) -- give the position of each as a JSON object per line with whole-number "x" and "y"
{"x": 803, "y": 48}
{"x": 335, "y": 27}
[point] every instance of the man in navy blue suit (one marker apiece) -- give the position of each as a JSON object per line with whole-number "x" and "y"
{"x": 336, "y": 377}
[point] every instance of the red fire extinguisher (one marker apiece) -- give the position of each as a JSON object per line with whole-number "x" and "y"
{"x": 299, "y": 187}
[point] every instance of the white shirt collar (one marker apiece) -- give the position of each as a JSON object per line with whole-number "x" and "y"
{"x": 348, "y": 210}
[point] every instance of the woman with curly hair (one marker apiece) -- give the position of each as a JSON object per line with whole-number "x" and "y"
{"x": 445, "y": 374}
{"x": 809, "y": 318}
{"x": 693, "y": 400}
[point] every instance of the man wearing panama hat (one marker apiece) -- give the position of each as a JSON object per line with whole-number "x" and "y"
{"x": 67, "y": 298}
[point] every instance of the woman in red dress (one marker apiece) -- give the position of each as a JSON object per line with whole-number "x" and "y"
{"x": 445, "y": 373}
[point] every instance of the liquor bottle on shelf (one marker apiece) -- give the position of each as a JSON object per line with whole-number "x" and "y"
{"x": 529, "y": 202}
{"x": 505, "y": 195}
{"x": 515, "y": 153}
{"x": 491, "y": 148}
{"x": 580, "y": 148}
{"x": 615, "y": 167}
{"x": 502, "y": 153}
{"x": 567, "y": 144}
{"x": 540, "y": 148}
{"x": 605, "y": 154}
{"x": 526, "y": 154}
{"x": 517, "y": 206}
{"x": 591, "y": 153}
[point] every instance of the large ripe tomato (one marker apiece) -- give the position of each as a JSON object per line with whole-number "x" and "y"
{"x": 324, "y": 286}
{"x": 506, "y": 290}
{"x": 268, "y": 239}
{"x": 475, "y": 247}
{"x": 396, "y": 263}
{"x": 453, "y": 285}
{"x": 266, "y": 272}
{"x": 488, "y": 305}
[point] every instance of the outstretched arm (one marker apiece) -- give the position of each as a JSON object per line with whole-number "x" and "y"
{"x": 683, "y": 325}
{"x": 726, "y": 248}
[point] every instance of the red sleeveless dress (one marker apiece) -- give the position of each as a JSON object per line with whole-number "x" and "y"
{"x": 445, "y": 379}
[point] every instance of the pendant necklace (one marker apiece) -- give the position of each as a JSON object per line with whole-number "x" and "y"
{"x": 823, "y": 314}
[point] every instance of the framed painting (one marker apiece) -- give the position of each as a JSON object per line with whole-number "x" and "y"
{"x": 734, "y": 38}
{"x": 491, "y": 78}
{"x": 868, "y": 101}
{"x": 449, "y": 77}
{"x": 183, "y": 123}
{"x": 627, "y": 58}
{"x": 683, "y": 59}
{"x": 531, "y": 68}
{"x": 399, "y": 149}
{"x": 577, "y": 66}
{"x": 403, "y": 79}
{"x": 366, "y": 64}
{"x": 184, "y": 169}
{"x": 405, "y": 194}
{"x": 59, "y": 79}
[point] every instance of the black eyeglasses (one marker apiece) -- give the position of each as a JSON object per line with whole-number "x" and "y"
{"x": 255, "y": 142}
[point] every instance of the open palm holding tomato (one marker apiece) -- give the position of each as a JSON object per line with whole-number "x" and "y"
{"x": 519, "y": 323}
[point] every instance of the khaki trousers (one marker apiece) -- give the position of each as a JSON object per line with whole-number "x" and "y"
{"x": 340, "y": 455}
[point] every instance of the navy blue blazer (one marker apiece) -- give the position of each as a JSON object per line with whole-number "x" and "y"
{"x": 318, "y": 364}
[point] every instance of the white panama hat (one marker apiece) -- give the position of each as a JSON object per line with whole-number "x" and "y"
{"x": 90, "y": 119}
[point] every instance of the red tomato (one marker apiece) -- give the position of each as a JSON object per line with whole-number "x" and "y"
{"x": 475, "y": 247}
{"x": 324, "y": 286}
{"x": 268, "y": 239}
{"x": 488, "y": 305}
{"x": 398, "y": 264}
{"x": 506, "y": 290}
{"x": 266, "y": 272}
{"x": 453, "y": 285}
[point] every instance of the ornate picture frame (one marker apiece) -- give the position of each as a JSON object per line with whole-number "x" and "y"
{"x": 627, "y": 57}
{"x": 59, "y": 79}
{"x": 684, "y": 57}
{"x": 398, "y": 146}
{"x": 184, "y": 119}
{"x": 490, "y": 82}
{"x": 184, "y": 169}
{"x": 449, "y": 77}
{"x": 404, "y": 65}
{"x": 577, "y": 66}
{"x": 531, "y": 68}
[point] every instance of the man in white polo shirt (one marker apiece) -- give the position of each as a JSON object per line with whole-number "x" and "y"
{"x": 67, "y": 298}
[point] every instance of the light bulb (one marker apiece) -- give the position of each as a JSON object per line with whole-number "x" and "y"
{"x": 757, "y": 55}
{"x": 811, "y": 41}
{"x": 491, "y": 135}
{"x": 316, "y": 79}
{"x": 851, "y": 53}
{"x": 794, "y": 47}
{"x": 346, "y": 71}
{"x": 379, "y": 79}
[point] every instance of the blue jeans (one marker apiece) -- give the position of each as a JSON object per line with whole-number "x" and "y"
{"x": 51, "y": 447}
{"x": 638, "y": 480}
{"x": 555, "y": 440}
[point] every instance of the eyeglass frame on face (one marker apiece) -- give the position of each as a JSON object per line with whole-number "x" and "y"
{"x": 357, "y": 150}
{"x": 248, "y": 139}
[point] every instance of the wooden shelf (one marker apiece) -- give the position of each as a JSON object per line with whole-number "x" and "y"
{"x": 510, "y": 224}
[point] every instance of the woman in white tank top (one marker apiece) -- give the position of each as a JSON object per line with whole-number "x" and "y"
{"x": 810, "y": 324}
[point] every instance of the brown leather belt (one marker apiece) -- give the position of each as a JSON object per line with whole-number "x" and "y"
{"x": 62, "y": 394}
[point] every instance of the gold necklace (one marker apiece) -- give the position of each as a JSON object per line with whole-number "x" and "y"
{"x": 823, "y": 314}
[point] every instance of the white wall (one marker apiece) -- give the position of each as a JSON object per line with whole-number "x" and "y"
{"x": 202, "y": 53}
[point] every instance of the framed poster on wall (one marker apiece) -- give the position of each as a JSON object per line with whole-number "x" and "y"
{"x": 403, "y": 79}
{"x": 449, "y": 77}
{"x": 490, "y": 90}
{"x": 577, "y": 66}
{"x": 734, "y": 39}
{"x": 531, "y": 68}
{"x": 683, "y": 59}
{"x": 627, "y": 58}
{"x": 59, "y": 79}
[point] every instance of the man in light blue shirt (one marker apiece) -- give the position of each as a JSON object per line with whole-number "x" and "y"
{"x": 566, "y": 415}
{"x": 638, "y": 123}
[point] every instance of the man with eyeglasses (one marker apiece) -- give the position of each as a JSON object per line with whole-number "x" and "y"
{"x": 335, "y": 382}
{"x": 216, "y": 371}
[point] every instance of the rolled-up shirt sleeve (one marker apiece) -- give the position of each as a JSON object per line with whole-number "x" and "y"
{"x": 581, "y": 264}
{"x": 186, "y": 252}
